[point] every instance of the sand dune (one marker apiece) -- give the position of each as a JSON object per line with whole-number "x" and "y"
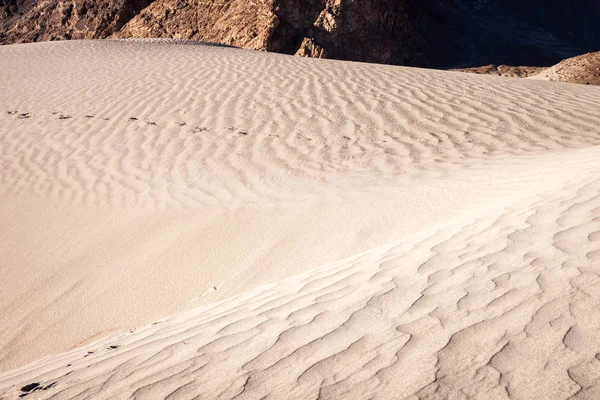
{"x": 299, "y": 228}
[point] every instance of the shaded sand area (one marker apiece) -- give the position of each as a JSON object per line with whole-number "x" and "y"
{"x": 183, "y": 221}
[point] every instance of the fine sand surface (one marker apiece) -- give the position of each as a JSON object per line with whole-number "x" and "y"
{"x": 192, "y": 221}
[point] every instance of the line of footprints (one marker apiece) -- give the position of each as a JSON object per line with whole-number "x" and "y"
{"x": 61, "y": 116}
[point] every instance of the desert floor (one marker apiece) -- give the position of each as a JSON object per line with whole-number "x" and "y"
{"x": 192, "y": 221}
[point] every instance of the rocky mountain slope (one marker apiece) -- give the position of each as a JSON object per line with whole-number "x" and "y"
{"x": 584, "y": 69}
{"x": 23, "y": 21}
{"x": 431, "y": 33}
{"x": 511, "y": 71}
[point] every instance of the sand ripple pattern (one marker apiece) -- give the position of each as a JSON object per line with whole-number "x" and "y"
{"x": 496, "y": 299}
{"x": 499, "y": 305}
{"x": 165, "y": 124}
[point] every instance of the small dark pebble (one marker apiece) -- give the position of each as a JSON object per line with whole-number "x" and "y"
{"x": 132, "y": 118}
{"x": 112, "y": 347}
{"x": 242, "y": 133}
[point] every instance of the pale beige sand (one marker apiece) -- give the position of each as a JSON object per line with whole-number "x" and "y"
{"x": 464, "y": 210}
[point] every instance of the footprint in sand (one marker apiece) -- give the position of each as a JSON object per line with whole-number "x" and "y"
{"x": 34, "y": 387}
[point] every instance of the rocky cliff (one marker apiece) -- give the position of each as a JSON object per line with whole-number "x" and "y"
{"x": 384, "y": 31}
{"x": 434, "y": 33}
{"x": 24, "y": 21}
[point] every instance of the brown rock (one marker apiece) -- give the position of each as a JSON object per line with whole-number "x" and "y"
{"x": 309, "y": 48}
{"x": 31, "y": 21}
{"x": 504, "y": 70}
{"x": 239, "y": 23}
{"x": 371, "y": 30}
{"x": 583, "y": 69}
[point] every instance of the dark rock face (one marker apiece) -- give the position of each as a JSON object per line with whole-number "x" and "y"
{"x": 516, "y": 32}
{"x": 432, "y": 33}
{"x": 383, "y": 31}
{"x": 440, "y": 33}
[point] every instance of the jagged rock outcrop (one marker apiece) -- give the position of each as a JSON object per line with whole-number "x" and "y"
{"x": 372, "y": 30}
{"x": 433, "y": 33}
{"x": 584, "y": 69}
{"x": 308, "y": 48}
{"x": 383, "y": 31}
{"x": 241, "y": 23}
{"x": 30, "y": 21}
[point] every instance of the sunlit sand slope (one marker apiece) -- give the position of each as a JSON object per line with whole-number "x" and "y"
{"x": 315, "y": 229}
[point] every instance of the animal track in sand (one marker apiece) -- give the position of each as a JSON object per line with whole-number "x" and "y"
{"x": 34, "y": 387}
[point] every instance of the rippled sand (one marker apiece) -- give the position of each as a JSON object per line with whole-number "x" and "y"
{"x": 299, "y": 228}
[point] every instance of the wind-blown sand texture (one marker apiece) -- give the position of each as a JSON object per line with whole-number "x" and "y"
{"x": 299, "y": 228}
